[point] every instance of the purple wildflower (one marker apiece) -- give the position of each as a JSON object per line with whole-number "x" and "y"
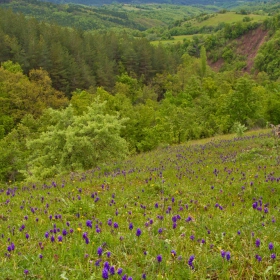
{"x": 105, "y": 273}
{"x": 107, "y": 265}
{"x": 228, "y": 256}
{"x": 89, "y": 223}
{"x": 159, "y": 258}
{"x": 112, "y": 270}
{"x": 189, "y": 219}
{"x": 190, "y": 261}
{"x": 138, "y": 232}
{"x": 99, "y": 251}
{"x": 258, "y": 257}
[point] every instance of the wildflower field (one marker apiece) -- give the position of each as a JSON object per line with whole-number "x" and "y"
{"x": 202, "y": 210}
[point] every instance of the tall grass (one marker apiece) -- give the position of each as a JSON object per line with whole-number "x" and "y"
{"x": 202, "y": 210}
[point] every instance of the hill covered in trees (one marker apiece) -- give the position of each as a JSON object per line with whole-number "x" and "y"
{"x": 130, "y": 17}
{"x": 174, "y": 2}
{"x": 58, "y": 84}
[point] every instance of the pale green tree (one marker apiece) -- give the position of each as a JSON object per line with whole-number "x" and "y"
{"x": 76, "y": 142}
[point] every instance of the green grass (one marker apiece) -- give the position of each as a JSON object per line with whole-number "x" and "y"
{"x": 176, "y": 39}
{"x": 229, "y": 17}
{"x": 211, "y": 182}
{"x": 214, "y": 20}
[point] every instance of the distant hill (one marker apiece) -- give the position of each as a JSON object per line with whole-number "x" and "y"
{"x": 84, "y": 17}
{"x": 175, "y": 2}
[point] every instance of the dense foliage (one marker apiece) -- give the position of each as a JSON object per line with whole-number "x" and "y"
{"x": 134, "y": 18}
{"x": 152, "y": 94}
{"x": 76, "y": 59}
{"x": 74, "y": 104}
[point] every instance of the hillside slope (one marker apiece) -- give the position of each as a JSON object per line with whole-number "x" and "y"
{"x": 246, "y": 46}
{"x": 202, "y": 210}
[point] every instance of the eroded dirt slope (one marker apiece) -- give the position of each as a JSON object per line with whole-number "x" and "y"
{"x": 248, "y": 46}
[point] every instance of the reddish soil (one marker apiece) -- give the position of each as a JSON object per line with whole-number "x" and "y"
{"x": 216, "y": 65}
{"x": 247, "y": 45}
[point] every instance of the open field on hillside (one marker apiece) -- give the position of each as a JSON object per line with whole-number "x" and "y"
{"x": 204, "y": 209}
{"x": 177, "y": 39}
{"x": 211, "y": 20}
{"x": 218, "y": 18}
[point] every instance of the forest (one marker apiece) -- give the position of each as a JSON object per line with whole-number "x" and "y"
{"x": 106, "y": 93}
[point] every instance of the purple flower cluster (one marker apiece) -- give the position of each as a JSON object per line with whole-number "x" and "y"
{"x": 85, "y": 237}
{"x": 190, "y": 261}
{"x": 225, "y": 255}
{"x": 110, "y": 270}
{"x": 89, "y": 223}
{"x": 11, "y": 247}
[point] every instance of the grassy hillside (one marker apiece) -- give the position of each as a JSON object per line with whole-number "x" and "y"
{"x": 222, "y": 18}
{"x": 211, "y": 22}
{"x": 205, "y": 209}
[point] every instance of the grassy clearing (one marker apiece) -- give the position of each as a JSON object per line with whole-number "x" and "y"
{"x": 177, "y": 39}
{"x": 229, "y": 17}
{"x": 207, "y": 209}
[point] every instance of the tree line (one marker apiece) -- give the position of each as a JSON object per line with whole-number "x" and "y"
{"x": 78, "y": 59}
{"x": 82, "y": 99}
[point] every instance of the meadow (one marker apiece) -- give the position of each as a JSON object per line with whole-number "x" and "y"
{"x": 177, "y": 39}
{"x": 206, "y": 209}
{"x": 221, "y": 18}
{"x": 209, "y": 21}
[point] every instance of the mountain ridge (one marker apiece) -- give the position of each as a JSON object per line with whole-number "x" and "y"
{"x": 174, "y": 2}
